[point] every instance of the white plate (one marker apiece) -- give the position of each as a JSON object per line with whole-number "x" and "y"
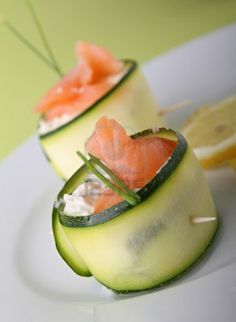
{"x": 37, "y": 286}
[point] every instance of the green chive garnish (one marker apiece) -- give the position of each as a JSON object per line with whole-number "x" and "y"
{"x": 120, "y": 183}
{"x": 43, "y": 36}
{"x": 131, "y": 197}
{"x": 27, "y": 43}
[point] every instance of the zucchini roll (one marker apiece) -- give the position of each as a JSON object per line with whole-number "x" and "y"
{"x": 138, "y": 213}
{"x": 99, "y": 85}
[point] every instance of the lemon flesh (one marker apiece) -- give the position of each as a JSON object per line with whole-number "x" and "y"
{"x": 211, "y": 132}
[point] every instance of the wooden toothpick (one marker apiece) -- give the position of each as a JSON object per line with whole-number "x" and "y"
{"x": 174, "y": 107}
{"x": 200, "y": 220}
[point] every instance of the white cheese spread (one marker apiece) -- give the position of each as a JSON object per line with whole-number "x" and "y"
{"x": 80, "y": 202}
{"x": 48, "y": 126}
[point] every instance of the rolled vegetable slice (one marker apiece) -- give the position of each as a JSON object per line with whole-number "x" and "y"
{"x": 129, "y": 101}
{"x": 133, "y": 248}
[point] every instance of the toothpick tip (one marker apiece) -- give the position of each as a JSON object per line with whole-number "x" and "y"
{"x": 200, "y": 220}
{"x": 174, "y": 108}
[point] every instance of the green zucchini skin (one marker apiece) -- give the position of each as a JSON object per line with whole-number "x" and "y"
{"x": 66, "y": 249}
{"x": 144, "y": 193}
{"x": 145, "y": 246}
{"x": 124, "y": 102}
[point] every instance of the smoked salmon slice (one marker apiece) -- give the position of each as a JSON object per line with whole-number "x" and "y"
{"x": 83, "y": 85}
{"x": 134, "y": 161}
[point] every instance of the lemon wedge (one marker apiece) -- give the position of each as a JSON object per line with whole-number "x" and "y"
{"x": 211, "y": 132}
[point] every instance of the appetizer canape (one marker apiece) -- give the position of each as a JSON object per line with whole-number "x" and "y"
{"x": 138, "y": 213}
{"x": 99, "y": 85}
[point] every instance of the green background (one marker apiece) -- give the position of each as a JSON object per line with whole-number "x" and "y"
{"x": 139, "y": 29}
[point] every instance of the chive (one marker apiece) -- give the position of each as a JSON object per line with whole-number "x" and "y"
{"x": 130, "y": 199}
{"x": 43, "y": 36}
{"x": 28, "y": 44}
{"x": 121, "y": 184}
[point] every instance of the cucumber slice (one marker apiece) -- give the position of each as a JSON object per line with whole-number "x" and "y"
{"x": 130, "y": 102}
{"x": 136, "y": 248}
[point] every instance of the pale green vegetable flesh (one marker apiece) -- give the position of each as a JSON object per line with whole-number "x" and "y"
{"x": 130, "y": 102}
{"x": 149, "y": 244}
